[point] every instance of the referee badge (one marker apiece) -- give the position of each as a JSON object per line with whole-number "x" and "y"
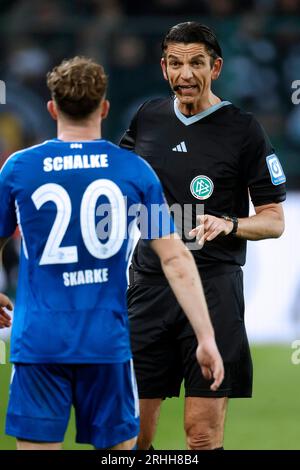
{"x": 275, "y": 170}
{"x": 202, "y": 187}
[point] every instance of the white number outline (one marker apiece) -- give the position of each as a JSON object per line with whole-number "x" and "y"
{"x": 53, "y": 253}
{"x": 118, "y": 218}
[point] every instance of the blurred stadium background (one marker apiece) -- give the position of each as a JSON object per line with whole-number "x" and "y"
{"x": 261, "y": 45}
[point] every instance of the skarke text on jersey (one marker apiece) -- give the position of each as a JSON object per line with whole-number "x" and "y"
{"x": 88, "y": 276}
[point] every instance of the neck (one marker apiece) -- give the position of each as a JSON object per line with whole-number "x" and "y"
{"x": 78, "y": 131}
{"x": 190, "y": 109}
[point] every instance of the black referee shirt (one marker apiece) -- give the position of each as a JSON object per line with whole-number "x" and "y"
{"x": 209, "y": 163}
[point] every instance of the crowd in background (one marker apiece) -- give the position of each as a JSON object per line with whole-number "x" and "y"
{"x": 260, "y": 41}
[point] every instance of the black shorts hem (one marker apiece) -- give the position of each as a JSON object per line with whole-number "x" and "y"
{"x": 155, "y": 395}
{"x": 223, "y": 393}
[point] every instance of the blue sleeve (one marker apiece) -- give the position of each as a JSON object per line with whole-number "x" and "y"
{"x": 8, "y": 220}
{"x": 155, "y": 219}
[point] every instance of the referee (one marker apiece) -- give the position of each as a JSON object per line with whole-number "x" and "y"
{"x": 209, "y": 156}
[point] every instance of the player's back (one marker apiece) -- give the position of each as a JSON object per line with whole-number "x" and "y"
{"x": 70, "y": 202}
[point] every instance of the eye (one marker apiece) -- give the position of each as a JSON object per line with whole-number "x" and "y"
{"x": 174, "y": 63}
{"x": 197, "y": 63}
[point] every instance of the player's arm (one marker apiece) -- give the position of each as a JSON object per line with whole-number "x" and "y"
{"x": 3, "y": 241}
{"x": 268, "y": 222}
{"x": 7, "y": 227}
{"x": 8, "y": 219}
{"x": 5, "y": 320}
{"x": 182, "y": 274}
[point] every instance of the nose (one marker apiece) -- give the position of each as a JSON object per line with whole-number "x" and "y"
{"x": 186, "y": 72}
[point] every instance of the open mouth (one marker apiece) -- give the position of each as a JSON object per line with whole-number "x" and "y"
{"x": 185, "y": 89}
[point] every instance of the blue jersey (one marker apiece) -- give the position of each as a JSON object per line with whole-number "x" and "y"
{"x": 75, "y": 204}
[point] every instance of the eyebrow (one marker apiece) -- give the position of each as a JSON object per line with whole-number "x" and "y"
{"x": 201, "y": 56}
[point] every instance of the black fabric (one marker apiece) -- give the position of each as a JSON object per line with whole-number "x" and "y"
{"x": 164, "y": 345}
{"x": 229, "y": 147}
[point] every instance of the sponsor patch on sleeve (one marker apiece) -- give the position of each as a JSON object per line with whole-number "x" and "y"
{"x": 275, "y": 170}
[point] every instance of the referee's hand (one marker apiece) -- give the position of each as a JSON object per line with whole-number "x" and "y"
{"x": 5, "y": 320}
{"x": 209, "y": 228}
{"x": 210, "y": 362}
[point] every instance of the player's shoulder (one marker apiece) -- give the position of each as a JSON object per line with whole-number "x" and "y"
{"x": 19, "y": 154}
{"x": 30, "y": 149}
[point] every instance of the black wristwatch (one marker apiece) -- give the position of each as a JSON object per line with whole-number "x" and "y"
{"x": 235, "y": 222}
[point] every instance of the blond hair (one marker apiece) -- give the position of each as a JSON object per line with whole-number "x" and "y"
{"x": 77, "y": 85}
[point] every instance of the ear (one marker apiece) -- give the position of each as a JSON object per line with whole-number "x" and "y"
{"x": 164, "y": 68}
{"x": 104, "y": 108}
{"x": 52, "y": 109}
{"x": 216, "y": 69}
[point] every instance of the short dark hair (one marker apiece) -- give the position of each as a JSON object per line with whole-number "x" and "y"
{"x": 77, "y": 85}
{"x": 190, "y": 32}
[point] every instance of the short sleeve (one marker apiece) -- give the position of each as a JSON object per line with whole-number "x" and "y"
{"x": 155, "y": 219}
{"x": 128, "y": 140}
{"x": 262, "y": 169}
{"x": 8, "y": 220}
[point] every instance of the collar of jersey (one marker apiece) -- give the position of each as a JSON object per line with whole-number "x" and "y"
{"x": 56, "y": 139}
{"x": 190, "y": 120}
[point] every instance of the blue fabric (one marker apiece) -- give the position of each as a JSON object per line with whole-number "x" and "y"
{"x": 71, "y": 202}
{"x": 104, "y": 397}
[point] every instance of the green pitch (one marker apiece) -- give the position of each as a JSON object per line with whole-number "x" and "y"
{"x": 270, "y": 420}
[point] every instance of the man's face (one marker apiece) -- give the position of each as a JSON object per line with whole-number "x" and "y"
{"x": 189, "y": 70}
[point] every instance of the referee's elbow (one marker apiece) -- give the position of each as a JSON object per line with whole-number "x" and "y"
{"x": 278, "y": 229}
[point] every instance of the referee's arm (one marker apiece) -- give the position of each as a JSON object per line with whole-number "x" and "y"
{"x": 268, "y": 222}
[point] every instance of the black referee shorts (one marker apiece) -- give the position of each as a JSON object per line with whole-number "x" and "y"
{"x": 164, "y": 345}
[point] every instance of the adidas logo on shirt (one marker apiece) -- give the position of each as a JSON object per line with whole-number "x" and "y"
{"x": 180, "y": 147}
